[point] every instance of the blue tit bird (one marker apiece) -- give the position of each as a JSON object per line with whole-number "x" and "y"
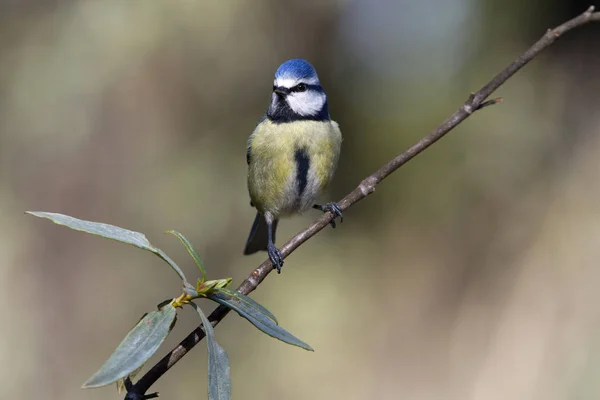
{"x": 292, "y": 155}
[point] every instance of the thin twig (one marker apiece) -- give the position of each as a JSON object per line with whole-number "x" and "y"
{"x": 475, "y": 102}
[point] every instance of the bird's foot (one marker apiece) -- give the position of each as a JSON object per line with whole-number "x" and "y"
{"x": 333, "y": 208}
{"x": 275, "y": 257}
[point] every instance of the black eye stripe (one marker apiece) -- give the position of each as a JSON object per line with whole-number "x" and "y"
{"x": 301, "y": 87}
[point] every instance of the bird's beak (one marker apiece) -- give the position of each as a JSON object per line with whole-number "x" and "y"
{"x": 281, "y": 91}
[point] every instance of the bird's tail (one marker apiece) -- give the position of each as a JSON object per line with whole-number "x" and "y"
{"x": 259, "y": 235}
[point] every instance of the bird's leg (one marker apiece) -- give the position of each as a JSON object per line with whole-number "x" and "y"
{"x": 333, "y": 208}
{"x": 272, "y": 250}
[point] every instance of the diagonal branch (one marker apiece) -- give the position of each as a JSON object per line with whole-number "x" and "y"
{"x": 475, "y": 102}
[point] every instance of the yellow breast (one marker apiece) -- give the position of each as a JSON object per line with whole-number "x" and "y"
{"x": 273, "y": 171}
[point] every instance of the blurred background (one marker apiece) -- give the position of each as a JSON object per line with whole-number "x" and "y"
{"x": 471, "y": 273}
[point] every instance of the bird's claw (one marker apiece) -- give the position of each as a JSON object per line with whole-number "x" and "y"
{"x": 335, "y": 209}
{"x": 275, "y": 257}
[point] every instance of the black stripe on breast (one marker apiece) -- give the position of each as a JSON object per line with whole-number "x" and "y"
{"x": 302, "y": 166}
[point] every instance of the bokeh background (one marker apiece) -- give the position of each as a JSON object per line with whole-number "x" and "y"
{"x": 471, "y": 273}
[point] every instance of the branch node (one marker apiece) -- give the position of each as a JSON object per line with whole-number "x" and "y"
{"x": 367, "y": 186}
{"x": 489, "y": 103}
{"x": 552, "y": 34}
{"x": 590, "y": 11}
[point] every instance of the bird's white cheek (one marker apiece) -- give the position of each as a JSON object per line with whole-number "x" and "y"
{"x": 306, "y": 103}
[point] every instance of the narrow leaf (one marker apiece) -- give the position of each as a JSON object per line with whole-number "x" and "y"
{"x": 137, "y": 347}
{"x": 190, "y": 248}
{"x": 249, "y": 301}
{"x": 219, "y": 374}
{"x": 121, "y": 386}
{"x": 212, "y": 286}
{"x": 109, "y": 232}
{"x": 258, "y": 319}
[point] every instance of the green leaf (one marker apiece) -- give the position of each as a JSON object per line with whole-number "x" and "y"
{"x": 190, "y": 248}
{"x": 109, "y": 232}
{"x": 208, "y": 287}
{"x": 249, "y": 301}
{"x": 121, "y": 387}
{"x": 137, "y": 347}
{"x": 219, "y": 376}
{"x": 258, "y": 319}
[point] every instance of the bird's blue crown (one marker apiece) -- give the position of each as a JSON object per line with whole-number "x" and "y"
{"x": 297, "y": 94}
{"x": 296, "y": 68}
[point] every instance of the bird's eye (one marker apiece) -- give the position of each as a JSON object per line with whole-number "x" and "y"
{"x": 301, "y": 87}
